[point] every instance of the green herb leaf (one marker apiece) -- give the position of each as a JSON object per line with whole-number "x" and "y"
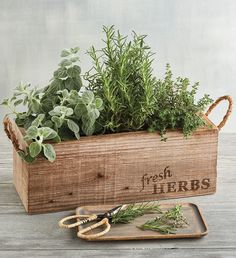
{"x": 72, "y": 126}
{"x": 46, "y": 132}
{"x": 88, "y": 128}
{"x": 98, "y": 103}
{"x": 38, "y": 120}
{"x": 34, "y": 149}
{"x": 26, "y": 157}
{"x": 49, "y": 152}
{"x": 87, "y": 97}
{"x": 65, "y": 62}
{"x": 35, "y": 106}
{"x": 60, "y": 73}
{"x": 65, "y": 53}
{"x": 57, "y": 120}
{"x": 74, "y": 50}
{"x": 32, "y": 132}
{"x": 77, "y": 135}
{"x": 80, "y": 109}
{"x": 18, "y": 102}
{"x": 5, "y": 102}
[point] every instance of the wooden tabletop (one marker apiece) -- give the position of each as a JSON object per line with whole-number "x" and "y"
{"x": 23, "y": 235}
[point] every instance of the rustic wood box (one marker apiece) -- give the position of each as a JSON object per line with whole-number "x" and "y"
{"x": 118, "y": 168}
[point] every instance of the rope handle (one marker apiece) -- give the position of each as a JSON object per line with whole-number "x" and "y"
{"x": 104, "y": 221}
{"x": 11, "y": 134}
{"x": 228, "y": 112}
{"x": 86, "y": 219}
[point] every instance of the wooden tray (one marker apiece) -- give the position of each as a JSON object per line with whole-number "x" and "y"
{"x": 197, "y": 226}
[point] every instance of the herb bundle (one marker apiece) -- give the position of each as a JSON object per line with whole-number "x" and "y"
{"x": 168, "y": 222}
{"x": 133, "y": 211}
{"x": 122, "y": 94}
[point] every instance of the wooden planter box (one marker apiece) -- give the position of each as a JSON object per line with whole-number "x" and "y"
{"x": 117, "y": 168}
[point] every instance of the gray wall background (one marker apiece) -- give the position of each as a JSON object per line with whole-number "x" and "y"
{"x": 197, "y": 37}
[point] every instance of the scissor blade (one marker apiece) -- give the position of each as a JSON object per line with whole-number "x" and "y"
{"x": 111, "y": 212}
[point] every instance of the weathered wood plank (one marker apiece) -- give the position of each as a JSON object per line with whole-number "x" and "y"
{"x": 153, "y": 253}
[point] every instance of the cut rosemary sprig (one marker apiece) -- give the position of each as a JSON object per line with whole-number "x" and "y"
{"x": 158, "y": 225}
{"x": 133, "y": 211}
{"x": 168, "y": 223}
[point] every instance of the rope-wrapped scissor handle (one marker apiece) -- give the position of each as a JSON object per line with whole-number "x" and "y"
{"x": 105, "y": 221}
{"x": 86, "y": 219}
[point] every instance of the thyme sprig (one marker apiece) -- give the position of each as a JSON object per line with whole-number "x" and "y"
{"x": 132, "y": 211}
{"x": 168, "y": 222}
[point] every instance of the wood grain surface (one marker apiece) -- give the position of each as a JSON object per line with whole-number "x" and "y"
{"x": 118, "y": 168}
{"x": 23, "y": 235}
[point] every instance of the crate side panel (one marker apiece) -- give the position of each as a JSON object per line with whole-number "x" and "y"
{"x": 20, "y": 178}
{"x": 171, "y": 169}
{"x": 124, "y": 168}
{"x": 83, "y": 173}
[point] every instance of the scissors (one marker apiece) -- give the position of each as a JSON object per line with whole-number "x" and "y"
{"x": 103, "y": 219}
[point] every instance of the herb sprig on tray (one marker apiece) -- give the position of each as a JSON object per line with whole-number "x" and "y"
{"x": 168, "y": 222}
{"x": 132, "y": 211}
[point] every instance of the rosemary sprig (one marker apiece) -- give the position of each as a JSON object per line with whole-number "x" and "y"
{"x": 158, "y": 225}
{"x": 133, "y": 211}
{"x": 168, "y": 223}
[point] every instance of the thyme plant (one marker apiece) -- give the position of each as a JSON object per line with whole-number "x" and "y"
{"x": 176, "y": 106}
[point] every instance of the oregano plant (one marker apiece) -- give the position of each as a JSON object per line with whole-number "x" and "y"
{"x": 60, "y": 111}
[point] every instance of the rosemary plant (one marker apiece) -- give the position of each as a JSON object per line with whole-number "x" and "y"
{"x": 122, "y": 76}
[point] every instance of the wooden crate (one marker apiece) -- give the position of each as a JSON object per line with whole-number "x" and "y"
{"x": 118, "y": 168}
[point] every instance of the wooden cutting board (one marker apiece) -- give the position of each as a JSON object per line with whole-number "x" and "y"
{"x": 197, "y": 226}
